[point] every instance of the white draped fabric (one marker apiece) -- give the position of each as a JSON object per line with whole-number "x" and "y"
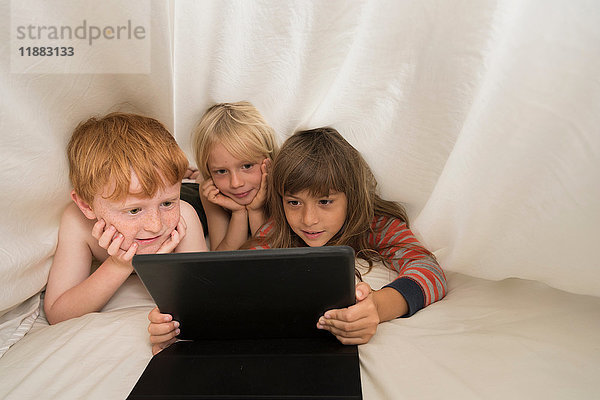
{"x": 481, "y": 116}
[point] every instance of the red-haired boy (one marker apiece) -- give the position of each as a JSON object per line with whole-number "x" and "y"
{"x": 126, "y": 172}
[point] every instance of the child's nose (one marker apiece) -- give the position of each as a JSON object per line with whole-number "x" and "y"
{"x": 309, "y": 215}
{"x": 235, "y": 181}
{"x": 152, "y": 222}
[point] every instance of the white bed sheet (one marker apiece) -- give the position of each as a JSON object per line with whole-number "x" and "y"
{"x": 487, "y": 339}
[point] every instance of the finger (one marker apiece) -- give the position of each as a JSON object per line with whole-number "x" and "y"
{"x": 207, "y": 183}
{"x": 115, "y": 245}
{"x": 351, "y": 337}
{"x": 163, "y": 329}
{"x": 130, "y": 252}
{"x": 153, "y": 314}
{"x": 342, "y": 314}
{"x": 363, "y": 290}
{"x": 205, "y": 191}
{"x": 107, "y": 237}
{"x": 181, "y": 231}
{"x": 347, "y": 336}
{"x": 189, "y": 173}
{"x": 98, "y": 228}
{"x": 350, "y": 328}
{"x": 340, "y": 325}
{"x": 156, "y": 317}
{"x": 181, "y": 226}
{"x": 182, "y": 221}
{"x": 263, "y": 179}
{"x": 170, "y": 244}
{"x": 263, "y": 166}
{"x": 355, "y": 313}
{"x": 164, "y": 338}
{"x": 213, "y": 194}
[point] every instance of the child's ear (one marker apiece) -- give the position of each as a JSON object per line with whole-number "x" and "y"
{"x": 85, "y": 208}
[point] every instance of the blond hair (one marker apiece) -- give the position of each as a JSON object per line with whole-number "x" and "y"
{"x": 103, "y": 151}
{"x": 239, "y": 127}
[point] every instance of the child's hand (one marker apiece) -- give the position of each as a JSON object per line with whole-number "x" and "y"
{"x": 191, "y": 173}
{"x": 355, "y": 324}
{"x": 173, "y": 241}
{"x": 111, "y": 240}
{"x": 259, "y": 200}
{"x": 212, "y": 194}
{"x": 163, "y": 330}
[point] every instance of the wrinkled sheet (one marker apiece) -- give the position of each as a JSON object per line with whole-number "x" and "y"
{"x": 494, "y": 340}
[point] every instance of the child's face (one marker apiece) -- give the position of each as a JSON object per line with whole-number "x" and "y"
{"x": 147, "y": 221}
{"x": 235, "y": 178}
{"x": 315, "y": 219}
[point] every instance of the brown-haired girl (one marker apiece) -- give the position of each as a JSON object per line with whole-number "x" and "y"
{"x": 323, "y": 193}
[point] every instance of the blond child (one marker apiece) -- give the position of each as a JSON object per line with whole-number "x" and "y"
{"x": 126, "y": 173}
{"x": 233, "y": 147}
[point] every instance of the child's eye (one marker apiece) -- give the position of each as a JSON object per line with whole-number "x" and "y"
{"x": 325, "y": 202}
{"x": 134, "y": 211}
{"x": 220, "y": 171}
{"x": 167, "y": 203}
{"x": 247, "y": 166}
{"x": 293, "y": 202}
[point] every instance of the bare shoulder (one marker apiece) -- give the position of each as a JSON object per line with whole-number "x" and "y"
{"x": 73, "y": 218}
{"x": 188, "y": 212}
{"x": 194, "y": 239}
{"x": 74, "y": 226}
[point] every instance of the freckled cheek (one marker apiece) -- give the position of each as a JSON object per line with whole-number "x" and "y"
{"x": 127, "y": 227}
{"x": 171, "y": 219}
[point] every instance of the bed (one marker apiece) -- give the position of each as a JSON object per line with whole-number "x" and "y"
{"x": 487, "y": 339}
{"x": 480, "y": 116}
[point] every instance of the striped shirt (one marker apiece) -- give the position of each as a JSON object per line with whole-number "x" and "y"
{"x": 421, "y": 280}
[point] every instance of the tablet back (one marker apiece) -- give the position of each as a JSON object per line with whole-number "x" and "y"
{"x": 274, "y": 293}
{"x": 252, "y": 316}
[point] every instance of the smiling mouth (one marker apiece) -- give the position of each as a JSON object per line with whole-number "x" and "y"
{"x": 147, "y": 240}
{"x": 312, "y": 234}
{"x": 242, "y": 195}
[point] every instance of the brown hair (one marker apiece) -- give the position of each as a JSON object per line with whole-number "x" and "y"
{"x": 239, "y": 127}
{"x": 105, "y": 150}
{"x": 320, "y": 160}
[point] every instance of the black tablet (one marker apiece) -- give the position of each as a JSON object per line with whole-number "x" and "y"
{"x": 247, "y": 294}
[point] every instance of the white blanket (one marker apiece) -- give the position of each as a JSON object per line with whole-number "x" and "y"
{"x": 494, "y": 340}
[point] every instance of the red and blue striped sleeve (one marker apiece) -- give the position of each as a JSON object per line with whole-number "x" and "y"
{"x": 261, "y": 236}
{"x": 421, "y": 280}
